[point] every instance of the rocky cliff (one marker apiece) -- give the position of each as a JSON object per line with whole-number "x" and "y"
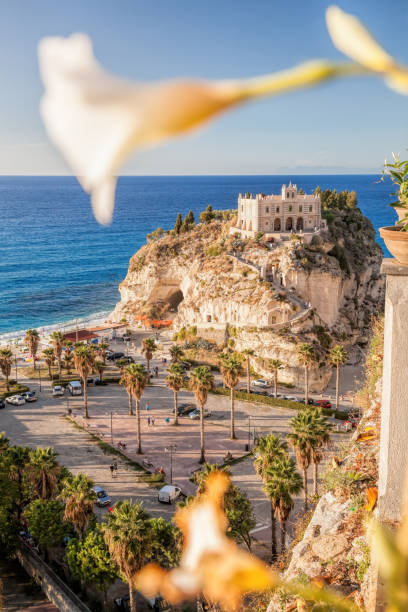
{"x": 264, "y": 296}
{"x": 334, "y": 550}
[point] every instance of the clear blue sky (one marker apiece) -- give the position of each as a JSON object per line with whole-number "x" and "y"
{"x": 341, "y": 127}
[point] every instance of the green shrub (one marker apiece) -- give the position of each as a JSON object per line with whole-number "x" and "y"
{"x": 277, "y": 402}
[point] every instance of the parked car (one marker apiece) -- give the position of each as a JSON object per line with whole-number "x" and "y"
{"x": 195, "y": 415}
{"x": 99, "y": 382}
{"x": 115, "y": 356}
{"x": 292, "y": 398}
{"x": 29, "y": 396}
{"x": 261, "y": 383}
{"x": 15, "y": 400}
{"x": 74, "y": 387}
{"x": 57, "y": 391}
{"x": 168, "y": 494}
{"x": 323, "y": 403}
{"x": 260, "y": 393}
{"x": 2, "y": 403}
{"x": 185, "y": 364}
{"x": 89, "y": 380}
{"x": 102, "y": 499}
{"x": 127, "y": 358}
{"x": 185, "y": 409}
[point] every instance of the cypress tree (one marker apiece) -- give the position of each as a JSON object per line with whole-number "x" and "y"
{"x": 178, "y": 224}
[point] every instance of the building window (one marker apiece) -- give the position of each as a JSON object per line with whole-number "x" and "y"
{"x": 293, "y": 194}
{"x": 300, "y": 208}
{"x": 267, "y": 209}
{"x": 290, "y": 208}
{"x": 208, "y": 318}
{"x": 242, "y": 207}
{"x": 277, "y": 209}
{"x": 310, "y": 208}
{"x": 267, "y": 223}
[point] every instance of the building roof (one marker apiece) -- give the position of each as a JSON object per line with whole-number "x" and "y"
{"x": 80, "y": 335}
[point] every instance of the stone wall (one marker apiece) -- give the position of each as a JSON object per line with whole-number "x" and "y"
{"x": 52, "y": 586}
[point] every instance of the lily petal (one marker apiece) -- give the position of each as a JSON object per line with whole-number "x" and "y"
{"x": 211, "y": 563}
{"x": 97, "y": 119}
{"x": 353, "y": 39}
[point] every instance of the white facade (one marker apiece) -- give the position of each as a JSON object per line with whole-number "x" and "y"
{"x": 279, "y": 214}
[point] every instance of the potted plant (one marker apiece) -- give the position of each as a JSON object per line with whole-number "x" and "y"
{"x": 396, "y": 236}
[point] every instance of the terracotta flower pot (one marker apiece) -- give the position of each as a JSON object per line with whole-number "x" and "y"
{"x": 396, "y": 242}
{"x": 401, "y": 212}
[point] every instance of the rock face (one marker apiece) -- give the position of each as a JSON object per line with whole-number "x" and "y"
{"x": 335, "y": 547}
{"x": 263, "y": 296}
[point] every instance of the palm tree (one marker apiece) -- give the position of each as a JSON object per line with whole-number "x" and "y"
{"x": 134, "y": 378}
{"x": 148, "y": 348}
{"x": 248, "y": 353}
{"x": 275, "y": 365}
{"x": 100, "y": 367}
{"x": 128, "y": 535}
{"x": 269, "y": 449}
{"x": 322, "y": 432}
{"x": 68, "y": 359}
{"x": 231, "y": 368}
{"x": 306, "y": 356}
{"x": 49, "y": 358}
{"x": 281, "y": 482}
{"x": 175, "y": 381}
{"x": 338, "y": 357}
{"x": 32, "y": 339}
{"x": 176, "y": 353}
{"x": 201, "y": 383}
{"x": 84, "y": 360}
{"x": 79, "y": 497}
{"x": 6, "y": 361}
{"x": 102, "y": 351}
{"x": 303, "y": 438}
{"x": 18, "y": 459}
{"x": 57, "y": 341}
{"x": 44, "y": 471}
{"x": 126, "y": 381}
{"x": 4, "y": 442}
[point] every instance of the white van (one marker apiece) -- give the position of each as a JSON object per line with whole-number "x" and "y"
{"x": 168, "y": 494}
{"x": 74, "y": 387}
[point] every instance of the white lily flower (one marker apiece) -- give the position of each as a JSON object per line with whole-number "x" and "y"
{"x": 97, "y": 119}
{"x": 353, "y": 39}
{"x": 211, "y": 563}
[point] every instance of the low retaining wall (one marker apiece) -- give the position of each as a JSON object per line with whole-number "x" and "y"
{"x": 52, "y": 586}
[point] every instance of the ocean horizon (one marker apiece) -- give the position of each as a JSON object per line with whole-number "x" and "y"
{"x": 57, "y": 264}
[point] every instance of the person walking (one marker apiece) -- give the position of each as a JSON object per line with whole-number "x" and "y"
{"x": 115, "y": 468}
{"x": 153, "y": 421}
{"x": 111, "y": 469}
{"x": 147, "y": 407}
{"x": 148, "y": 421}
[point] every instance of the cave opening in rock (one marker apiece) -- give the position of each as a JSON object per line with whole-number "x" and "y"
{"x": 174, "y": 299}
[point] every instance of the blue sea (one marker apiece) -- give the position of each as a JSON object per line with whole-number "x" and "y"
{"x": 58, "y": 264}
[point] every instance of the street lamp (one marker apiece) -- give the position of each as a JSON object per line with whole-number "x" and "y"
{"x": 39, "y": 375}
{"x": 16, "y": 367}
{"x": 171, "y": 449}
